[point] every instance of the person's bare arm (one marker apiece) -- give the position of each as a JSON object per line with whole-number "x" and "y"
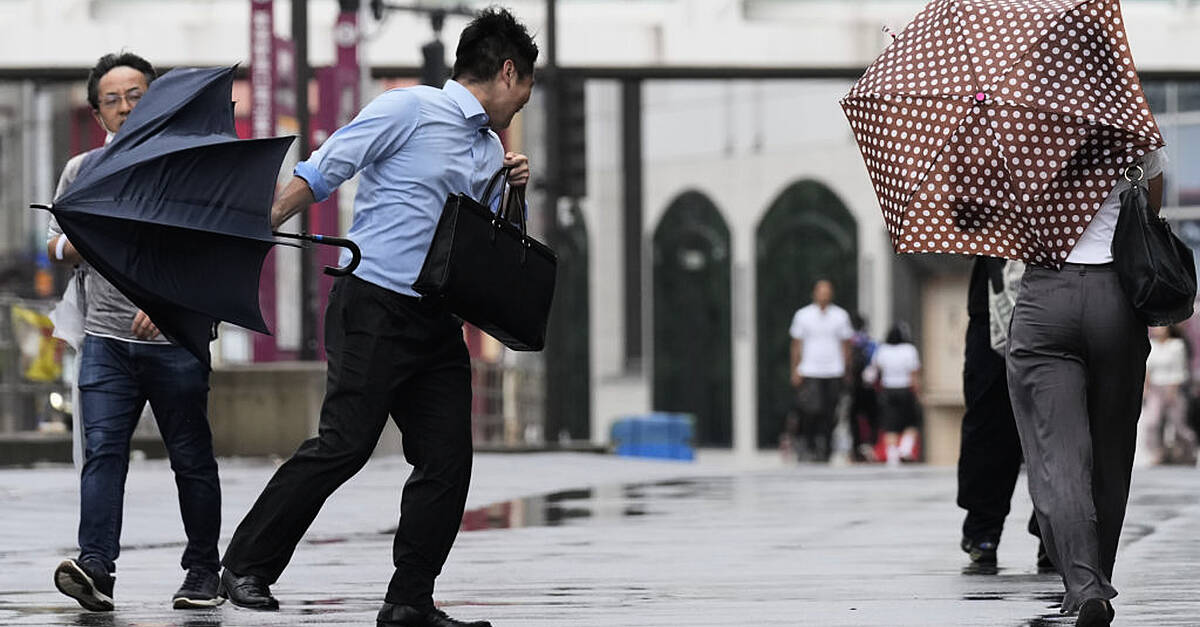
{"x": 797, "y": 352}
{"x": 847, "y": 353}
{"x": 70, "y": 255}
{"x": 1156, "y": 193}
{"x": 296, "y": 196}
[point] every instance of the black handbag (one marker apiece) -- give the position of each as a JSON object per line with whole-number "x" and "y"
{"x": 489, "y": 271}
{"x": 1156, "y": 269}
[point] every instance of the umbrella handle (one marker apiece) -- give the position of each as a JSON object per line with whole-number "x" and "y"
{"x": 340, "y": 242}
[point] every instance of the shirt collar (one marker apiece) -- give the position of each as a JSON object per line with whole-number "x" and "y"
{"x": 466, "y": 101}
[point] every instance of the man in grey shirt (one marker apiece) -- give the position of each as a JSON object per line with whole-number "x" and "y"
{"x": 124, "y": 363}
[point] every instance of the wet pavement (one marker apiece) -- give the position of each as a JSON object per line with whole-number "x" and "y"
{"x": 587, "y": 540}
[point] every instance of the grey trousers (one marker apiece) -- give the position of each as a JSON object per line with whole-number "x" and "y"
{"x": 1076, "y": 363}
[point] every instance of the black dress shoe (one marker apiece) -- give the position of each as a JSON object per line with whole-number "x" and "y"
{"x": 251, "y": 592}
{"x": 1095, "y": 613}
{"x": 982, "y": 552}
{"x": 392, "y": 615}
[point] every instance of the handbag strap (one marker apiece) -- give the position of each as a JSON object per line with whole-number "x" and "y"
{"x": 516, "y": 204}
{"x": 501, "y": 174}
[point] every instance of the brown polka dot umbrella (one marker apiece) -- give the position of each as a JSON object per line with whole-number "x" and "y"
{"x": 997, "y": 127}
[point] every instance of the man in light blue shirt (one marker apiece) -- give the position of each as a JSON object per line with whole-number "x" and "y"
{"x": 388, "y": 351}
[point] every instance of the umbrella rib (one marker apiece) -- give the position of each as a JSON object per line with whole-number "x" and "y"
{"x": 1012, "y": 196}
{"x": 1033, "y": 44}
{"x": 962, "y": 39}
{"x": 188, "y": 227}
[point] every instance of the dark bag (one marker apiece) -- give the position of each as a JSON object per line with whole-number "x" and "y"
{"x": 1156, "y": 269}
{"x": 489, "y": 271}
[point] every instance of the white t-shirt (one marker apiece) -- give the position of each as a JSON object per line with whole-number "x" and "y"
{"x": 896, "y": 364}
{"x": 1095, "y": 245}
{"x": 1167, "y": 363}
{"x": 822, "y": 333}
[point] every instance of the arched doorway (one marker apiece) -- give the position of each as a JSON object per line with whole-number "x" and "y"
{"x": 806, "y": 235}
{"x": 568, "y": 354}
{"x": 692, "y": 327}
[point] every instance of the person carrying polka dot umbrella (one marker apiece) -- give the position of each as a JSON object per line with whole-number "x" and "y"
{"x": 1007, "y": 128}
{"x": 998, "y": 127}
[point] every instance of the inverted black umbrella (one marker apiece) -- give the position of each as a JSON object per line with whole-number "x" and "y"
{"x": 175, "y": 211}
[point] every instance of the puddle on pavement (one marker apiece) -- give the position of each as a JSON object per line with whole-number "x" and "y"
{"x": 549, "y": 511}
{"x": 74, "y": 616}
{"x": 570, "y": 506}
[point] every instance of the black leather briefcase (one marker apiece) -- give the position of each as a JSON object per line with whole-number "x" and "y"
{"x": 489, "y": 271}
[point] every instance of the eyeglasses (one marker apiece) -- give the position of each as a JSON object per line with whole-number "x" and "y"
{"x": 111, "y": 100}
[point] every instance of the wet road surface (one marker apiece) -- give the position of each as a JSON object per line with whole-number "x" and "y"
{"x": 557, "y": 540}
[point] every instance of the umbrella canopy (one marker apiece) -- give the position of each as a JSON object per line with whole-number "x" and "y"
{"x": 998, "y": 128}
{"x": 175, "y": 211}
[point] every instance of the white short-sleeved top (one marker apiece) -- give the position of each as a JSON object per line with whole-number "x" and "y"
{"x": 896, "y": 364}
{"x": 1167, "y": 362}
{"x": 822, "y": 332}
{"x": 1095, "y": 245}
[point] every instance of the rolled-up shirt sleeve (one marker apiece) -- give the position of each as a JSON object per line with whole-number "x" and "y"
{"x": 378, "y": 131}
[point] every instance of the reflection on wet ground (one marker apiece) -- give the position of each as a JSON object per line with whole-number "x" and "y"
{"x": 802, "y": 546}
{"x": 567, "y": 506}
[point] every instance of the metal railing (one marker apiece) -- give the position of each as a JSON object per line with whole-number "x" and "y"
{"x": 508, "y": 404}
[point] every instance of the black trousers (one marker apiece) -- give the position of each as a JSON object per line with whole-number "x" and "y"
{"x": 388, "y": 354}
{"x": 989, "y": 458}
{"x": 816, "y": 407}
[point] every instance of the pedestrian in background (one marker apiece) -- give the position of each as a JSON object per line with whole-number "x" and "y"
{"x": 989, "y": 458}
{"x": 821, "y": 334}
{"x": 864, "y": 401}
{"x": 1167, "y": 436}
{"x": 1076, "y": 366}
{"x": 897, "y": 367}
{"x": 390, "y": 352}
{"x": 126, "y": 362}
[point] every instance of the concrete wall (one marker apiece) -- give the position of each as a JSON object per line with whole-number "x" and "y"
{"x": 269, "y": 409}
{"x": 944, "y": 324}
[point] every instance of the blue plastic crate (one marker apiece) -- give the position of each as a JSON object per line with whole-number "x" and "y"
{"x": 662, "y": 435}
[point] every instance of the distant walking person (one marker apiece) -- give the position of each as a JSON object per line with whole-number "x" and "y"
{"x": 897, "y": 364}
{"x": 989, "y": 458}
{"x": 1168, "y": 436}
{"x": 389, "y": 351}
{"x": 1076, "y": 363}
{"x": 124, "y": 363}
{"x": 821, "y": 334}
{"x": 864, "y": 402}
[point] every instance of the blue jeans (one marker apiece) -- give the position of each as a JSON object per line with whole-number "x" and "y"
{"x": 116, "y": 380}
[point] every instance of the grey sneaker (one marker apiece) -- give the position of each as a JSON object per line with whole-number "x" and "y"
{"x": 88, "y": 582}
{"x": 199, "y": 590}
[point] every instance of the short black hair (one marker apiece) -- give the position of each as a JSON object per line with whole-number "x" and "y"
{"x": 109, "y": 61}
{"x": 898, "y": 334}
{"x": 491, "y": 38}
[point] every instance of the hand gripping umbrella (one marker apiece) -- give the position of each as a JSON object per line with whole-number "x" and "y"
{"x": 175, "y": 211}
{"x": 998, "y": 128}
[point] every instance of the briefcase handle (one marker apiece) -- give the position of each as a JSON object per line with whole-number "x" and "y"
{"x": 500, "y": 175}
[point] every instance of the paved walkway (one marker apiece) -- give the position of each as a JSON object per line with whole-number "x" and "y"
{"x": 587, "y": 540}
